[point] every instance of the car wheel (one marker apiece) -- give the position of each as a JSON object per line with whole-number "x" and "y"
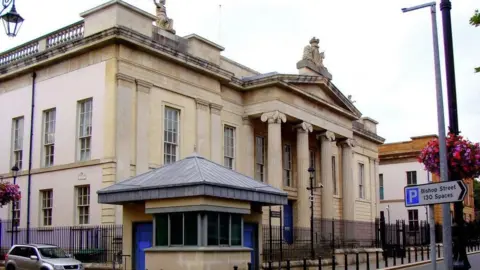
{"x": 10, "y": 267}
{"x": 43, "y": 268}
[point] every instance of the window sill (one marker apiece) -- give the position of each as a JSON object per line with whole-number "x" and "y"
{"x": 197, "y": 249}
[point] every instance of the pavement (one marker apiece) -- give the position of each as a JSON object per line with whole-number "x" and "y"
{"x": 474, "y": 260}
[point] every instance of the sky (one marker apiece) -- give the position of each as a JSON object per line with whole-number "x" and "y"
{"x": 377, "y": 54}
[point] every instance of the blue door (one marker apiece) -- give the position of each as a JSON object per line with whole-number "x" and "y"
{"x": 143, "y": 236}
{"x": 250, "y": 240}
{"x": 288, "y": 223}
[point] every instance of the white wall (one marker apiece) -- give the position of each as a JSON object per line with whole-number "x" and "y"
{"x": 61, "y": 92}
{"x": 394, "y": 181}
{"x": 63, "y": 184}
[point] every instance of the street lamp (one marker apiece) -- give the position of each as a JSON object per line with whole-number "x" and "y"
{"x": 311, "y": 171}
{"x": 12, "y": 21}
{"x": 15, "y": 170}
{"x": 447, "y": 235}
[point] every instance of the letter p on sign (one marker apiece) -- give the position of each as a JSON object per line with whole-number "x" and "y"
{"x": 412, "y": 196}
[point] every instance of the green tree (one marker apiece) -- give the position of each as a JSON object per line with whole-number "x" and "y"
{"x": 476, "y": 193}
{"x": 475, "y": 21}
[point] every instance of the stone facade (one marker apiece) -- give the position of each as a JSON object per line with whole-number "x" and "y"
{"x": 288, "y": 120}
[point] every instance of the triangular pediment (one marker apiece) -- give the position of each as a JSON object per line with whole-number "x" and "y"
{"x": 330, "y": 94}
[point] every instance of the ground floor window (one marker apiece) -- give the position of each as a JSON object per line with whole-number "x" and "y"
{"x": 198, "y": 229}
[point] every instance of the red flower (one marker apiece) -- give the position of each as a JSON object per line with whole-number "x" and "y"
{"x": 462, "y": 155}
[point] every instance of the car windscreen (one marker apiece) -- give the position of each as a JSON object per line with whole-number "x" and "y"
{"x": 52, "y": 253}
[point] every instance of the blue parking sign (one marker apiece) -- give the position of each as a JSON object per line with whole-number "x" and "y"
{"x": 412, "y": 196}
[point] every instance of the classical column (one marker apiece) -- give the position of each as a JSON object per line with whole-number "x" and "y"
{"x": 216, "y": 133}
{"x": 203, "y": 141}
{"x": 348, "y": 196}
{"x": 142, "y": 119}
{"x": 303, "y": 176}
{"x": 274, "y": 151}
{"x": 248, "y": 148}
{"x": 326, "y": 173}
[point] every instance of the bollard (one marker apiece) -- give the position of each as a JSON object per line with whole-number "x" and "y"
{"x": 385, "y": 258}
{"x": 438, "y": 248}
{"x": 368, "y": 261}
{"x": 333, "y": 262}
{"x": 415, "y": 250}
{"x": 288, "y": 264}
{"x": 304, "y": 264}
{"x": 421, "y": 251}
{"x": 345, "y": 260}
{"x": 409, "y": 255}
{"x": 269, "y": 265}
{"x": 235, "y": 267}
{"x": 357, "y": 261}
{"x": 377, "y": 265}
{"x": 394, "y": 256}
{"x": 319, "y": 263}
{"x": 249, "y": 266}
{"x": 401, "y": 257}
{"x": 428, "y": 253}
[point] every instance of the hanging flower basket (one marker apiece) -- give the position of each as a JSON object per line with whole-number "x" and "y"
{"x": 463, "y": 157}
{"x": 8, "y": 193}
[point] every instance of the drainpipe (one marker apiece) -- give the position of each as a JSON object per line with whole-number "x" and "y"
{"x": 30, "y": 150}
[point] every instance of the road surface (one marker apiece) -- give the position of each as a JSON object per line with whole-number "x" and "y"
{"x": 474, "y": 262}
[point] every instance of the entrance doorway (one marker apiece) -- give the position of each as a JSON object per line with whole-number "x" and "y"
{"x": 250, "y": 239}
{"x": 142, "y": 239}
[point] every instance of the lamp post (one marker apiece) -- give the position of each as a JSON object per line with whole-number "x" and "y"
{"x": 460, "y": 253}
{"x": 311, "y": 171}
{"x": 15, "y": 170}
{"x": 447, "y": 235}
{"x": 12, "y": 21}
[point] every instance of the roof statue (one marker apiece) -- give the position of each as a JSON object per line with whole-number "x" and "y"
{"x": 162, "y": 20}
{"x": 313, "y": 59}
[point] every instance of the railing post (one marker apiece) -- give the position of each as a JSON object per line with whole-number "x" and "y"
{"x": 304, "y": 264}
{"x": 345, "y": 260}
{"x": 409, "y": 255}
{"x": 319, "y": 263}
{"x": 269, "y": 265}
{"x": 394, "y": 256}
{"x": 377, "y": 265}
{"x": 288, "y": 264}
{"x": 368, "y": 260}
{"x": 333, "y": 262}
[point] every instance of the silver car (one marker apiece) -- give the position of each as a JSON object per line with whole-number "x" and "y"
{"x": 40, "y": 257}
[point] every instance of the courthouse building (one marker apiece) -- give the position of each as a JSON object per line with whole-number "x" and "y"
{"x": 117, "y": 95}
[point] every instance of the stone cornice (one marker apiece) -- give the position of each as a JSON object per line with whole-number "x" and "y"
{"x": 215, "y": 108}
{"x": 124, "y": 77}
{"x": 144, "y": 86}
{"x": 202, "y": 104}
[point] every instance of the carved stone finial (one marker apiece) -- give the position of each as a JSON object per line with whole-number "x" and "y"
{"x": 304, "y": 127}
{"x": 313, "y": 58}
{"x": 327, "y": 135}
{"x": 163, "y": 21}
{"x": 274, "y": 117}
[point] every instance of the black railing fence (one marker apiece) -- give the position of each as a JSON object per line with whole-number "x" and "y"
{"x": 90, "y": 244}
{"x": 282, "y": 243}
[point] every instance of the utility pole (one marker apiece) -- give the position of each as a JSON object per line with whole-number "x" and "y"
{"x": 459, "y": 251}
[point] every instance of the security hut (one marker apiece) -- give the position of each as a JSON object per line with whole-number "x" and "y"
{"x": 192, "y": 214}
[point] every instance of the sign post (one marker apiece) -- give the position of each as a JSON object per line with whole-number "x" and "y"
{"x": 431, "y": 194}
{"x": 435, "y": 193}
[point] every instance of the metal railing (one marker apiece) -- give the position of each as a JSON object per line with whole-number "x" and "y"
{"x": 89, "y": 244}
